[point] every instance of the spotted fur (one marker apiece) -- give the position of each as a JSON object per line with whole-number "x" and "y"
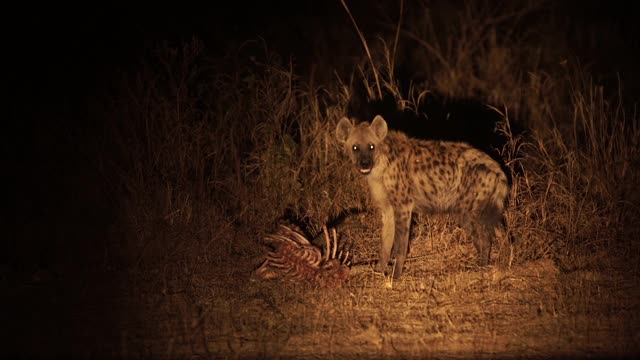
{"x": 431, "y": 177}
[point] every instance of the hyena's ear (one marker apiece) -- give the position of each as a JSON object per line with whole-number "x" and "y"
{"x": 343, "y": 130}
{"x": 379, "y": 127}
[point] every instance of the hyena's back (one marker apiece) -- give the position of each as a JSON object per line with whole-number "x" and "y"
{"x": 407, "y": 175}
{"x": 445, "y": 177}
{"x": 448, "y": 177}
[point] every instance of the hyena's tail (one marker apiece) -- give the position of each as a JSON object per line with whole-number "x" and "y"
{"x": 492, "y": 213}
{"x": 501, "y": 191}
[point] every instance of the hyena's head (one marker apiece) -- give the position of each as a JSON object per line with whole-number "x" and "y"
{"x": 361, "y": 142}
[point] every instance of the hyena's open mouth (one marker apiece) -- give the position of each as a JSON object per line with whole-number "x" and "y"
{"x": 365, "y": 165}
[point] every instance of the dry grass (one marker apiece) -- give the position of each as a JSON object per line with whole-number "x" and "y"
{"x": 209, "y": 161}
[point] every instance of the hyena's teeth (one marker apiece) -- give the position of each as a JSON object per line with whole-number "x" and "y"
{"x": 365, "y": 171}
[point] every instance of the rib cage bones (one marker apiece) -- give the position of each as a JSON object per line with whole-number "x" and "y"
{"x": 295, "y": 259}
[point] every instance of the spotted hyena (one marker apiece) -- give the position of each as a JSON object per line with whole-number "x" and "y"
{"x": 432, "y": 177}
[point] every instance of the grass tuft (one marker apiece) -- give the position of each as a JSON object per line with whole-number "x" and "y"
{"x": 211, "y": 153}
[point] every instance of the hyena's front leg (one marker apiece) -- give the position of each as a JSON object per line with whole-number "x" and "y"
{"x": 387, "y": 236}
{"x": 401, "y": 242}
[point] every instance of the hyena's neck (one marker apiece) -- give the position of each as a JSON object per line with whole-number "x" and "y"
{"x": 394, "y": 150}
{"x": 381, "y": 162}
{"x": 387, "y": 154}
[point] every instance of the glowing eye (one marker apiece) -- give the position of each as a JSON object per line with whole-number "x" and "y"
{"x": 355, "y": 147}
{"x": 371, "y": 146}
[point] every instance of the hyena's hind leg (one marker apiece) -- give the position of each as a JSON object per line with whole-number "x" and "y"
{"x": 482, "y": 227}
{"x": 487, "y": 190}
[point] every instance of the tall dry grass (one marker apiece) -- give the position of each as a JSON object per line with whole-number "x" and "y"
{"x": 236, "y": 143}
{"x": 206, "y": 154}
{"x": 201, "y": 149}
{"x": 572, "y": 196}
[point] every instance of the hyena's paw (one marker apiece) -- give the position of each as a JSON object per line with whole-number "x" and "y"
{"x": 484, "y": 253}
{"x": 380, "y": 267}
{"x": 397, "y": 274}
{"x": 483, "y": 260}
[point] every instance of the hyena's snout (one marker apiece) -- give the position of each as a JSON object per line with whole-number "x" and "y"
{"x": 365, "y": 163}
{"x": 360, "y": 141}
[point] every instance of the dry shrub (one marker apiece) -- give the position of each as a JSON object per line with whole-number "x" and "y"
{"x": 211, "y": 153}
{"x": 248, "y": 145}
{"x": 573, "y": 179}
{"x": 251, "y": 141}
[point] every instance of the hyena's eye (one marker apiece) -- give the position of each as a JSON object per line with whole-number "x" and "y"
{"x": 355, "y": 148}
{"x": 371, "y": 146}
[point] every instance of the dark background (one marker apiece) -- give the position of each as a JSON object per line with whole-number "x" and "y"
{"x": 60, "y": 60}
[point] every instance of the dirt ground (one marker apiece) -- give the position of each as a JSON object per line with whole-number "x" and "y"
{"x": 198, "y": 306}
{"x": 135, "y": 193}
